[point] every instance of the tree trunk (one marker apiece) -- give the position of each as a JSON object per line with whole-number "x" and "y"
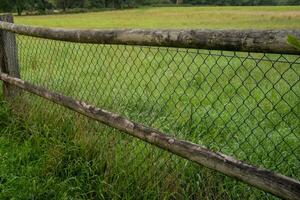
{"x": 19, "y": 11}
{"x": 19, "y": 7}
{"x": 64, "y": 5}
{"x": 44, "y": 5}
{"x": 179, "y": 2}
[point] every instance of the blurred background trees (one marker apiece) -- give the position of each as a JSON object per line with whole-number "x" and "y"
{"x": 43, "y": 6}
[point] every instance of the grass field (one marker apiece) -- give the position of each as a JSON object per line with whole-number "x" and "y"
{"x": 186, "y": 17}
{"x": 242, "y": 104}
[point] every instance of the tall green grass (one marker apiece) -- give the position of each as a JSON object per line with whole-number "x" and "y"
{"x": 241, "y": 104}
{"x": 52, "y": 153}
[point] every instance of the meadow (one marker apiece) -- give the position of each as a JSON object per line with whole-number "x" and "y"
{"x": 242, "y": 104}
{"x": 262, "y": 17}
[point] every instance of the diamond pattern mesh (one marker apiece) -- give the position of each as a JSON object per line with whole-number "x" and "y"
{"x": 241, "y": 104}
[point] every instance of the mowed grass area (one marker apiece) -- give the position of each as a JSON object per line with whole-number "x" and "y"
{"x": 245, "y": 105}
{"x": 263, "y": 17}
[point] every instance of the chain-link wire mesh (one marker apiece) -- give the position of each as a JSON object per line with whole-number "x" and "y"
{"x": 241, "y": 104}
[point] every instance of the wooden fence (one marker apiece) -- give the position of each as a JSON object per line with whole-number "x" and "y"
{"x": 266, "y": 41}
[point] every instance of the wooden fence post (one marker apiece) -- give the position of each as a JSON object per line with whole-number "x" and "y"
{"x": 9, "y": 58}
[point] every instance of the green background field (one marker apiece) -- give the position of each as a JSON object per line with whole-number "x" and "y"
{"x": 50, "y": 153}
{"x": 172, "y": 17}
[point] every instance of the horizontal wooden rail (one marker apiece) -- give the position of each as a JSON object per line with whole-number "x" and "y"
{"x": 276, "y": 184}
{"x": 264, "y": 41}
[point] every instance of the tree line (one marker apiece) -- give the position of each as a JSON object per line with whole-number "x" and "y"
{"x": 42, "y": 6}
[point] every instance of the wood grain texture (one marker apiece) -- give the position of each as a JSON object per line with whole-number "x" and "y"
{"x": 266, "y": 180}
{"x": 9, "y": 57}
{"x": 264, "y": 41}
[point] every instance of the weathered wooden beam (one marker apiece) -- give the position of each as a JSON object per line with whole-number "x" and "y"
{"x": 9, "y": 57}
{"x": 264, "y": 41}
{"x": 276, "y": 184}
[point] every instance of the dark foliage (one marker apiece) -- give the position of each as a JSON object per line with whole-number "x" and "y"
{"x": 41, "y": 6}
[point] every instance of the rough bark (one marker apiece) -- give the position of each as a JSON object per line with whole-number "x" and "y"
{"x": 9, "y": 57}
{"x": 264, "y": 41}
{"x": 268, "y": 181}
